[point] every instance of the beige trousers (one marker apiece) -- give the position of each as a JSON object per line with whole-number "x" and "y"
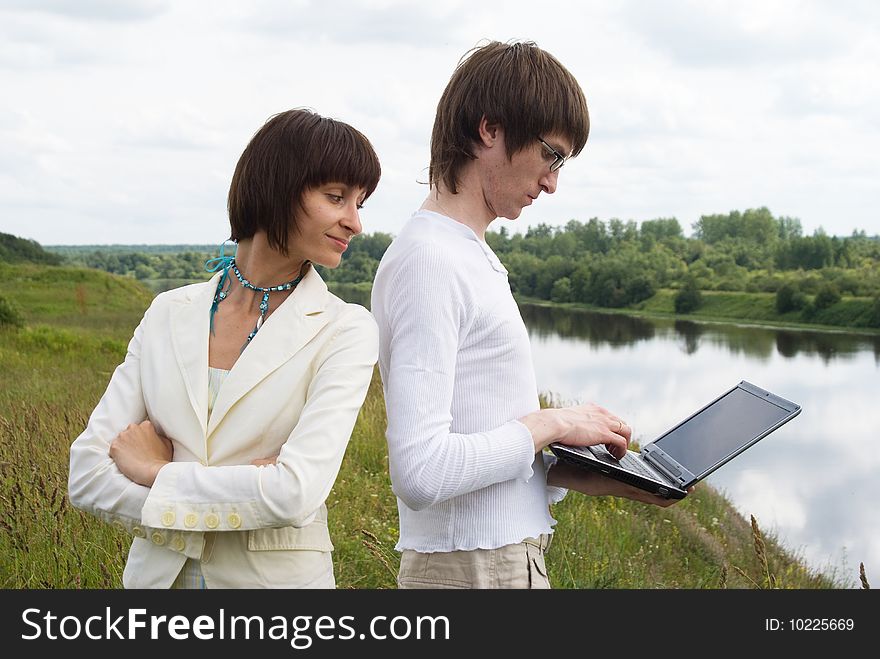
{"x": 513, "y": 566}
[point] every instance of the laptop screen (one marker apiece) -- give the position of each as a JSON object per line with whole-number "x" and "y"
{"x": 722, "y": 429}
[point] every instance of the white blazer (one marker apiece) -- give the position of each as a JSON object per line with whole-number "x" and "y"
{"x": 295, "y": 391}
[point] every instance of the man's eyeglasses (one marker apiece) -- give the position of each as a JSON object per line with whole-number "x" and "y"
{"x": 560, "y": 159}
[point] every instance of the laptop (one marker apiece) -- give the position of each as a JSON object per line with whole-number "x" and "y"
{"x": 694, "y": 448}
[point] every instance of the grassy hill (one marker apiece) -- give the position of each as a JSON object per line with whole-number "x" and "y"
{"x": 55, "y": 368}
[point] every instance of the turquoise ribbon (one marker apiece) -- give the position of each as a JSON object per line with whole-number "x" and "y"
{"x": 216, "y": 264}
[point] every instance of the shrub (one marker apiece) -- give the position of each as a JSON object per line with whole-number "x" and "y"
{"x": 10, "y": 315}
{"x": 688, "y": 298}
{"x": 789, "y": 298}
{"x": 561, "y": 291}
{"x": 827, "y": 295}
{"x": 874, "y": 313}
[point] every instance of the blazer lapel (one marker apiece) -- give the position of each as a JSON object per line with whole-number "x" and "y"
{"x": 190, "y": 326}
{"x": 291, "y": 326}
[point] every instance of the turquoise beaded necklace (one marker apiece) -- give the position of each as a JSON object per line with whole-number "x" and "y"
{"x": 227, "y": 263}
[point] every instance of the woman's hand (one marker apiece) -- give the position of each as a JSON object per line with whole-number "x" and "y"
{"x": 262, "y": 462}
{"x": 140, "y": 452}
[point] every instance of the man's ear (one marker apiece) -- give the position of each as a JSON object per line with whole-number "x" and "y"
{"x": 490, "y": 133}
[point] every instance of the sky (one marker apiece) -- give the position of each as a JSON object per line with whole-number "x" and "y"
{"x": 121, "y": 121}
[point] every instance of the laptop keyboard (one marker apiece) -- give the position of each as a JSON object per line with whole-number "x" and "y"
{"x": 633, "y": 463}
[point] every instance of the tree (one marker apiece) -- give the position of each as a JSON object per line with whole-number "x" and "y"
{"x": 661, "y": 229}
{"x": 688, "y": 298}
{"x": 789, "y": 227}
{"x": 15, "y": 250}
{"x": 617, "y": 282}
{"x": 874, "y": 313}
{"x": 789, "y": 298}
{"x": 826, "y": 296}
{"x": 561, "y": 290}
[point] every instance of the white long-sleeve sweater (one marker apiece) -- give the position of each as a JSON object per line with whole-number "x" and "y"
{"x": 457, "y": 372}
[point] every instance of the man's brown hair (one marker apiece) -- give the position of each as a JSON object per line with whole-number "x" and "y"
{"x": 294, "y": 151}
{"x": 517, "y": 85}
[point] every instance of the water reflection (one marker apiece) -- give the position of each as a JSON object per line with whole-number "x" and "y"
{"x": 753, "y": 341}
{"x": 690, "y": 332}
{"x": 595, "y": 328}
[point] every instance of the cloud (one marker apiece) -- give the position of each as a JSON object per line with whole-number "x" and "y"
{"x": 416, "y": 24}
{"x": 675, "y": 132}
{"x": 172, "y": 127}
{"x": 30, "y": 43}
{"x": 712, "y": 34}
{"x": 88, "y": 10}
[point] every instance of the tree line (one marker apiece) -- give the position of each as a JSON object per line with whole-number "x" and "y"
{"x": 609, "y": 264}
{"x": 618, "y": 263}
{"x": 187, "y": 262}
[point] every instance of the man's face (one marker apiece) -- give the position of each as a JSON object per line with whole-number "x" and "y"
{"x": 511, "y": 185}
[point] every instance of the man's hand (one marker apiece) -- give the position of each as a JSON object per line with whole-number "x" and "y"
{"x": 587, "y": 481}
{"x": 580, "y": 425}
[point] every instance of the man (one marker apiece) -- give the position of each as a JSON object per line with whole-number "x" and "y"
{"x": 465, "y": 430}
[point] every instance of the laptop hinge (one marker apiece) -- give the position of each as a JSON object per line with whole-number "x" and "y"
{"x": 667, "y": 466}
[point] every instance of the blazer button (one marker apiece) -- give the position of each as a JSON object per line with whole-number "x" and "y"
{"x": 168, "y": 518}
{"x": 190, "y": 520}
{"x": 212, "y": 520}
{"x": 138, "y": 532}
{"x": 158, "y": 538}
{"x": 234, "y": 520}
{"x": 178, "y": 544}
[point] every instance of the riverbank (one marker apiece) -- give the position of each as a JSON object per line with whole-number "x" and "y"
{"x": 730, "y": 308}
{"x": 723, "y": 307}
{"x": 726, "y": 307}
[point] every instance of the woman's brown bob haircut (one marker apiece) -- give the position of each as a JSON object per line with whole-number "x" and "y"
{"x": 516, "y": 85}
{"x": 293, "y": 152}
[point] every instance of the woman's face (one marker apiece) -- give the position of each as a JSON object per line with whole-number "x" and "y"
{"x": 327, "y": 220}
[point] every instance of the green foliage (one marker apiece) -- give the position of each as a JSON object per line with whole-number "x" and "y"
{"x": 10, "y": 314}
{"x": 561, "y": 290}
{"x": 19, "y": 250}
{"x": 756, "y": 226}
{"x": 809, "y": 253}
{"x": 146, "y": 265}
{"x": 614, "y": 282}
{"x": 60, "y": 296}
{"x": 359, "y": 267}
{"x": 661, "y": 229}
{"x": 872, "y": 318}
{"x": 613, "y": 264}
{"x": 827, "y": 296}
{"x": 72, "y": 252}
{"x": 688, "y": 298}
{"x": 761, "y": 308}
{"x": 790, "y": 298}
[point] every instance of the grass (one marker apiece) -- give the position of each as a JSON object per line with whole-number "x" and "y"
{"x": 56, "y": 368}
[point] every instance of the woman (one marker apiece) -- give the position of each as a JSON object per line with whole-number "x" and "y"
{"x": 221, "y": 434}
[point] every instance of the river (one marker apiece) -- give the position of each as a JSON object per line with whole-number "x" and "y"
{"x": 812, "y": 483}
